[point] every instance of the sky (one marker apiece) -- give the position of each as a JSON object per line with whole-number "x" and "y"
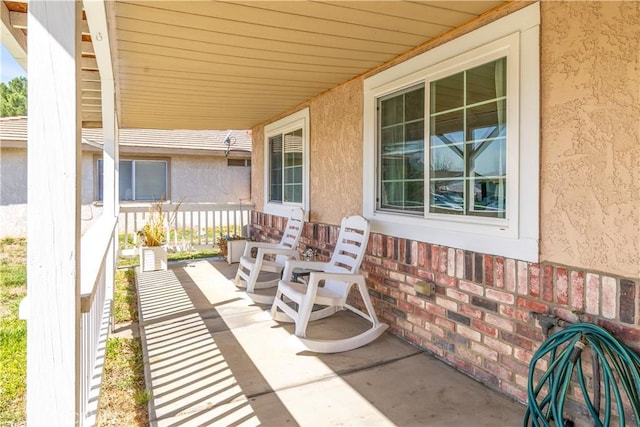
{"x": 9, "y": 68}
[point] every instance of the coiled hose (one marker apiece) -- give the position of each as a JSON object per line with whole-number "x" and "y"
{"x": 615, "y": 363}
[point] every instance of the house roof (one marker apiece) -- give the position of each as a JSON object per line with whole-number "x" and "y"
{"x": 13, "y": 132}
{"x": 221, "y": 65}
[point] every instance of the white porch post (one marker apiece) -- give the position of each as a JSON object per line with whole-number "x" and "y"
{"x": 53, "y": 251}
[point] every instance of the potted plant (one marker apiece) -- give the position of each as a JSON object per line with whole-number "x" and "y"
{"x": 153, "y": 237}
{"x": 231, "y": 247}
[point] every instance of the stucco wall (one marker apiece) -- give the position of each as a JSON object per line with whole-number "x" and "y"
{"x": 336, "y": 154}
{"x": 208, "y": 179}
{"x": 590, "y": 155}
{"x": 13, "y": 176}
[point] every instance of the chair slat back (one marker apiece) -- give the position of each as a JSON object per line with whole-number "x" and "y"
{"x": 351, "y": 245}
{"x": 292, "y": 233}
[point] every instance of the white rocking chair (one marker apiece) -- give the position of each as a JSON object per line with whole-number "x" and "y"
{"x": 339, "y": 274}
{"x": 249, "y": 268}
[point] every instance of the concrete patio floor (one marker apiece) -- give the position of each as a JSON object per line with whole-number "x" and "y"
{"x": 213, "y": 357}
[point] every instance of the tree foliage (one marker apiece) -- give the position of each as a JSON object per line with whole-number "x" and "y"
{"x": 13, "y": 98}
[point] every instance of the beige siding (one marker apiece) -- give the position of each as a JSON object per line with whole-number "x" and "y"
{"x": 590, "y": 185}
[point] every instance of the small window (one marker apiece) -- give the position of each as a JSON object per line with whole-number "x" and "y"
{"x": 140, "y": 180}
{"x": 286, "y": 163}
{"x": 239, "y": 162}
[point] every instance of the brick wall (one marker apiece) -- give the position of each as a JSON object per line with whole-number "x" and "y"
{"x": 479, "y": 318}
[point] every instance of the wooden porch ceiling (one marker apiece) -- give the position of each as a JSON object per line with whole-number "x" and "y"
{"x": 235, "y": 64}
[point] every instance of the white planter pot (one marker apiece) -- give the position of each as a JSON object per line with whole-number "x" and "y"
{"x": 153, "y": 258}
{"x": 235, "y": 249}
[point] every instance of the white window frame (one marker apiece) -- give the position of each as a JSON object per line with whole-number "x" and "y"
{"x": 517, "y": 37}
{"x": 297, "y": 120}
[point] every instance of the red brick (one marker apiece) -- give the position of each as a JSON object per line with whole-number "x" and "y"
{"x": 390, "y": 265}
{"x": 627, "y": 301}
{"x": 484, "y": 328}
{"x": 517, "y": 340}
{"x": 500, "y": 296}
{"x": 609, "y": 301}
{"x": 435, "y": 252}
{"x": 419, "y": 318}
{"x": 547, "y": 283}
{"x": 444, "y": 323}
{"x": 534, "y": 334}
{"x": 499, "y": 346}
{"x": 442, "y": 261}
{"x": 401, "y": 255}
{"x": 435, "y": 309}
{"x": 404, "y": 305}
{"x": 444, "y": 280}
{"x": 488, "y": 270}
{"x": 417, "y": 301}
{"x": 424, "y": 255}
{"x": 414, "y": 253}
{"x": 534, "y": 280}
{"x": 434, "y": 349}
{"x": 523, "y": 279}
{"x": 532, "y": 305}
{"x": 468, "y": 332}
{"x": 467, "y": 310}
{"x": 510, "y": 275}
{"x": 499, "y": 273}
{"x": 459, "y": 263}
{"x": 484, "y": 351}
{"x": 592, "y": 300}
{"x": 499, "y": 322}
{"x": 459, "y": 363}
{"x": 522, "y": 355}
{"x": 390, "y": 243}
{"x": 562, "y": 286}
{"x": 467, "y": 354}
{"x": 514, "y": 365}
{"x": 577, "y": 290}
{"x": 426, "y": 275}
{"x": 521, "y": 315}
{"x": 485, "y": 377}
{"x": 451, "y": 262}
{"x": 449, "y": 305}
{"x": 470, "y": 287}
{"x": 457, "y": 295}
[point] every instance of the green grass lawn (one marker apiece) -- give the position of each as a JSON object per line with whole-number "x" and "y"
{"x": 13, "y": 331}
{"x": 124, "y": 375}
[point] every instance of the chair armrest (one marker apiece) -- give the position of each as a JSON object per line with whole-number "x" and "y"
{"x": 312, "y": 265}
{"x": 277, "y": 251}
{"x": 317, "y": 276}
{"x": 250, "y": 245}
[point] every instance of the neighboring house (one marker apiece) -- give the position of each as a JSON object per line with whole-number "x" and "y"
{"x": 177, "y": 165}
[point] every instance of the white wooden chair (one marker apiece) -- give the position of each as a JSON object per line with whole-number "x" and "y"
{"x": 249, "y": 268}
{"x": 339, "y": 274}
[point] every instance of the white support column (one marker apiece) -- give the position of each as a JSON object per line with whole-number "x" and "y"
{"x": 53, "y": 251}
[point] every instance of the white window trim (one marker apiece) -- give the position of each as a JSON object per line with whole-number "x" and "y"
{"x": 516, "y": 237}
{"x": 297, "y": 120}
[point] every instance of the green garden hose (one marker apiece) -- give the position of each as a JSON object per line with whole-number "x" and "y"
{"x": 614, "y": 363}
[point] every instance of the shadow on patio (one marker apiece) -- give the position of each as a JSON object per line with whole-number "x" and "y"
{"x": 215, "y": 358}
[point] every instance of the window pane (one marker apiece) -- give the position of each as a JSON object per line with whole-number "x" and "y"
{"x": 487, "y": 82}
{"x": 447, "y": 93}
{"x": 391, "y": 111}
{"x": 100, "y": 194}
{"x": 489, "y": 159}
{"x": 401, "y": 142}
{"x": 486, "y": 121}
{"x": 275, "y": 165}
{"x": 488, "y": 197}
{"x": 126, "y": 180}
{"x": 467, "y": 146}
{"x": 150, "y": 180}
{"x": 293, "y": 166}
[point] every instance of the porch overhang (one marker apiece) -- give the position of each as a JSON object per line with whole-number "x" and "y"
{"x": 234, "y": 65}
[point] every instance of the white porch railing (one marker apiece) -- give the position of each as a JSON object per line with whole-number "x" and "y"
{"x": 95, "y": 306}
{"x": 197, "y": 225}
